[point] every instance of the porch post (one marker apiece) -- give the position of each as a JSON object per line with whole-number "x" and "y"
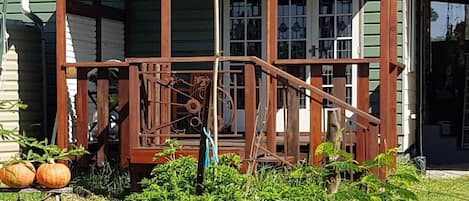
{"x": 166, "y": 67}
{"x": 272, "y": 21}
{"x": 62, "y": 100}
{"x": 388, "y": 53}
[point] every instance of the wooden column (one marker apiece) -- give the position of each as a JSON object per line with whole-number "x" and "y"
{"x": 165, "y": 52}
{"x": 388, "y": 45}
{"x": 124, "y": 116}
{"x": 316, "y": 136}
{"x": 363, "y": 99}
{"x": 392, "y": 138}
{"x": 272, "y": 32}
{"x": 249, "y": 106}
{"x": 339, "y": 82}
{"x": 134, "y": 107}
{"x": 103, "y": 114}
{"x": 62, "y": 99}
{"x": 82, "y": 112}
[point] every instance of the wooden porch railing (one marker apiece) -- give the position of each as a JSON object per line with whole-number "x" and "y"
{"x": 130, "y": 104}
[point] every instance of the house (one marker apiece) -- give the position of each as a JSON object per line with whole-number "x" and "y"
{"x": 165, "y": 51}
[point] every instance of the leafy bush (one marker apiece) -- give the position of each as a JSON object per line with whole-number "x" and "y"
{"x": 176, "y": 180}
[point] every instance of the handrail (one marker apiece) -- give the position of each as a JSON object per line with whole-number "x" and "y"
{"x": 294, "y": 80}
{"x": 271, "y": 68}
{"x": 325, "y": 61}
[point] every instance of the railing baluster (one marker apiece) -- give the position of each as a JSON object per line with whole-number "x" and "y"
{"x": 103, "y": 114}
{"x": 249, "y": 106}
{"x": 134, "y": 107}
{"x": 292, "y": 133}
{"x": 124, "y": 115}
{"x": 82, "y": 112}
{"x": 316, "y": 136}
{"x": 363, "y": 102}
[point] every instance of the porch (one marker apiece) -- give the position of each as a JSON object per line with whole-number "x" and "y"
{"x": 156, "y": 102}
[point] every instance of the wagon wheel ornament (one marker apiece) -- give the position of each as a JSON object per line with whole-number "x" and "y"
{"x": 192, "y": 103}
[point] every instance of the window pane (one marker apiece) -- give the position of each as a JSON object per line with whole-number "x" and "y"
{"x": 344, "y": 6}
{"x": 326, "y": 27}
{"x": 298, "y": 29}
{"x": 344, "y": 49}
{"x": 237, "y": 49}
{"x": 298, "y": 49}
{"x": 283, "y": 50}
{"x": 254, "y": 49}
{"x": 298, "y": 7}
{"x": 326, "y": 6}
{"x": 325, "y": 102}
{"x": 254, "y": 29}
{"x": 348, "y": 95}
{"x": 348, "y": 74}
{"x": 327, "y": 74}
{"x": 326, "y": 49}
{"x": 344, "y": 26}
{"x": 283, "y": 6}
{"x": 237, "y": 29}
{"x": 253, "y": 8}
{"x": 283, "y": 27}
{"x": 237, "y": 8}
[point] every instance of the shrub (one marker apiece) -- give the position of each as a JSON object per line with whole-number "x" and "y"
{"x": 176, "y": 180}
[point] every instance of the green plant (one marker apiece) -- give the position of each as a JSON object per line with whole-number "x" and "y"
{"x": 110, "y": 180}
{"x": 170, "y": 152}
{"x": 176, "y": 179}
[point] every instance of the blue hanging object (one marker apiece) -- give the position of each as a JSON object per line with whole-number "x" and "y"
{"x": 208, "y": 142}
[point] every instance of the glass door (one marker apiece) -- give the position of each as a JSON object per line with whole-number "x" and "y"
{"x": 293, "y": 39}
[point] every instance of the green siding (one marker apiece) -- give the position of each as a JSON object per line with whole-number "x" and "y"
{"x": 371, "y": 45}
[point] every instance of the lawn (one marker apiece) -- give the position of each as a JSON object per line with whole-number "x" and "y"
{"x": 40, "y": 196}
{"x": 443, "y": 189}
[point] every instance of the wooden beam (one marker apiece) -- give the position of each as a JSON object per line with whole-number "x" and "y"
{"x": 105, "y": 64}
{"x": 316, "y": 136}
{"x": 165, "y": 52}
{"x": 250, "y": 106}
{"x": 103, "y": 115}
{"x": 392, "y": 138}
{"x": 124, "y": 116}
{"x": 272, "y": 35}
{"x": 363, "y": 102}
{"x": 293, "y": 129}
{"x": 62, "y": 99}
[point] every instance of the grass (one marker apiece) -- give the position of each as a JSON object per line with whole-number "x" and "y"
{"x": 443, "y": 189}
{"x": 41, "y": 196}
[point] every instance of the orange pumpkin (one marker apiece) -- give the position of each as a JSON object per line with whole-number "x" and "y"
{"x": 53, "y": 175}
{"x": 19, "y": 175}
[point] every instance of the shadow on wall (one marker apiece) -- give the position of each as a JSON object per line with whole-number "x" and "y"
{"x": 24, "y": 58}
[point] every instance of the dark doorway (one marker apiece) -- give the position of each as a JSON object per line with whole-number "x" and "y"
{"x": 445, "y": 50}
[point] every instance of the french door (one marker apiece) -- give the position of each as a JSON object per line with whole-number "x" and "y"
{"x": 306, "y": 29}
